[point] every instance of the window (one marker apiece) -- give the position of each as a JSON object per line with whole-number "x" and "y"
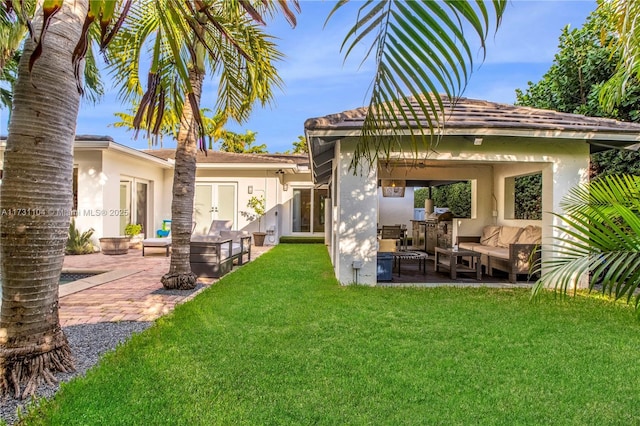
{"x": 523, "y": 197}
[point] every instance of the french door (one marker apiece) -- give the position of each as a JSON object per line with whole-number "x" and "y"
{"x": 134, "y": 199}
{"x": 214, "y": 201}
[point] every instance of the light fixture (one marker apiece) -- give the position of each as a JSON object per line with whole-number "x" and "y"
{"x": 477, "y": 141}
{"x": 285, "y": 187}
{"x": 250, "y": 189}
{"x": 393, "y": 187}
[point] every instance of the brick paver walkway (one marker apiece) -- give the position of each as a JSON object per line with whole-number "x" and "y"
{"x": 139, "y": 296}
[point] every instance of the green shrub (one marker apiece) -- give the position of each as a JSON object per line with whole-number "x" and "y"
{"x": 301, "y": 240}
{"x": 79, "y": 243}
{"x": 132, "y": 229}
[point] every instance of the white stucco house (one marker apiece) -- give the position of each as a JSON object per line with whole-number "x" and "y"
{"x": 115, "y": 185}
{"x": 485, "y": 143}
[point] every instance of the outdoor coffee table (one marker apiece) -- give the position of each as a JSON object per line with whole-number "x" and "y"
{"x": 399, "y": 256}
{"x": 450, "y": 258}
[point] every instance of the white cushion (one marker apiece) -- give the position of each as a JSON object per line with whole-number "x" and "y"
{"x": 156, "y": 242}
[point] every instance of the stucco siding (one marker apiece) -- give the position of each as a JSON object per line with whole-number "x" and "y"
{"x": 90, "y": 191}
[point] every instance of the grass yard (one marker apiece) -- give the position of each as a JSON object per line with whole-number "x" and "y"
{"x": 280, "y": 342}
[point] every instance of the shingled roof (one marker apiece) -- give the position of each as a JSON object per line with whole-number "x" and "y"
{"x": 473, "y": 117}
{"x": 478, "y": 114}
{"x": 219, "y": 157}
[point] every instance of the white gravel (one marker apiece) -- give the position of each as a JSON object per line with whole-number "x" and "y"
{"x": 88, "y": 343}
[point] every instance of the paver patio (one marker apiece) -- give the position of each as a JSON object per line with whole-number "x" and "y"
{"x": 133, "y": 291}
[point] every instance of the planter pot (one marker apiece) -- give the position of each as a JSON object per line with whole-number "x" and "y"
{"x": 114, "y": 245}
{"x": 258, "y": 238}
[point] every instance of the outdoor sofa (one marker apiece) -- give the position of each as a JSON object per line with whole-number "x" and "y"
{"x": 506, "y": 248}
{"x": 214, "y": 254}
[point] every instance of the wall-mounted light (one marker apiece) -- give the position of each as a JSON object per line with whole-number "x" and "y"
{"x": 250, "y": 189}
{"x": 285, "y": 187}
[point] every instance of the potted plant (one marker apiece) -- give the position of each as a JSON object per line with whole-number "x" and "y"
{"x": 134, "y": 232}
{"x": 257, "y": 206}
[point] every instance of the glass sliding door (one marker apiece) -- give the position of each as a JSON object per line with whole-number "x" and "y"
{"x": 302, "y": 210}
{"x": 125, "y": 204}
{"x": 308, "y": 210}
{"x": 134, "y": 199}
{"x": 319, "y": 197}
{"x": 142, "y": 206}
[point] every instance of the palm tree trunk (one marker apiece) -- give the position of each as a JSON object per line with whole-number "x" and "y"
{"x": 184, "y": 177}
{"x": 35, "y": 203}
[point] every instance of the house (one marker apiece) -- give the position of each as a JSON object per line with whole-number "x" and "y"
{"x": 114, "y": 185}
{"x": 489, "y": 145}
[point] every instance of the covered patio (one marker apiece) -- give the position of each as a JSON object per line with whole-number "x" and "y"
{"x": 488, "y": 145}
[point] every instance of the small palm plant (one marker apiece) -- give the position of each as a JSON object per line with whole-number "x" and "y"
{"x": 79, "y": 242}
{"x": 601, "y": 237}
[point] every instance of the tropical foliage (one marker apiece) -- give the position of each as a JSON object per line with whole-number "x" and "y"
{"x": 79, "y": 242}
{"x": 600, "y": 238}
{"x": 220, "y": 40}
{"x": 528, "y": 197}
{"x": 585, "y": 61}
{"x": 299, "y": 147}
{"x": 241, "y": 143}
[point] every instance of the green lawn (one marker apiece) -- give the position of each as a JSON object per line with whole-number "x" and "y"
{"x": 280, "y": 342}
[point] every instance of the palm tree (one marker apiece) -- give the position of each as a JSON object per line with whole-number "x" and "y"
{"x": 36, "y": 194}
{"x": 601, "y": 238}
{"x": 231, "y": 47}
{"x": 36, "y": 190}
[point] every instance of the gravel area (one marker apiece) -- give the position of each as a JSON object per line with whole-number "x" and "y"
{"x": 88, "y": 342}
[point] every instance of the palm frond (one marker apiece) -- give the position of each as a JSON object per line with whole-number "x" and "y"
{"x": 599, "y": 238}
{"x": 421, "y": 50}
{"x": 626, "y": 16}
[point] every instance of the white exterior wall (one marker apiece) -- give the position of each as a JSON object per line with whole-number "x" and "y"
{"x": 90, "y": 191}
{"x": 355, "y": 221}
{"x": 116, "y": 166}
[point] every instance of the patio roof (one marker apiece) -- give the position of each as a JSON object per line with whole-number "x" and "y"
{"x": 473, "y": 117}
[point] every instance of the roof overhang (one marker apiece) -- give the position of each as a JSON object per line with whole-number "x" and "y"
{"x": 322, "y": 141}
{"x": 109, "y": 145}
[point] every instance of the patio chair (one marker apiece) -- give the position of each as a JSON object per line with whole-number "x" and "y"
{"x": 218, "y": 226}
{"x": 163, "y": 242}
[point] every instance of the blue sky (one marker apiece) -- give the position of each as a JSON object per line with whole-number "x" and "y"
{"x": 319, "y": 82}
